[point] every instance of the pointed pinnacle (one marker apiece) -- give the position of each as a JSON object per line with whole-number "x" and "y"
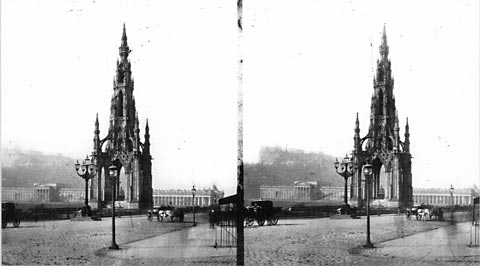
{"x": 384, "y": 45}
{"x": 124, "y": 35}
{"x": 396, "y": 119}
{"x": 96, "y": 121}
{"x": 384, "y": 35}
{"x": 96, "y": 125}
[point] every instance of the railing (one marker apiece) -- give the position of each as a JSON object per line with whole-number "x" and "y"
{"x": 226, "y": 230}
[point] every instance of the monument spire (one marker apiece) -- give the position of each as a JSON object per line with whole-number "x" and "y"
{"x": 383, "y": 147}
{"x": 123, "y": 146}
{"x": 124, "y": 50}
{"x": 384, "y": 45}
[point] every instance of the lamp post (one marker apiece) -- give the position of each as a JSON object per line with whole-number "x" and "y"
{"x": 113, "y": 178}
{"x": 86, "y": 170}
{"x": 193, "y": 204}
{"x": 451, "y": 200}
{"x": 368, "y": 172}
{"x": 347, "y": 168}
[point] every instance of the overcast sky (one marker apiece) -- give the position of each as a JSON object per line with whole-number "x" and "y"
{"x": 307, "y": 72}
{"x": 59, "y": 60}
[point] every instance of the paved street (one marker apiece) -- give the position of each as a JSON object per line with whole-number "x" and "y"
{"x": 65, "y": 242}
{"x": 321, "y": 241}
{"x": 311, "y": 242}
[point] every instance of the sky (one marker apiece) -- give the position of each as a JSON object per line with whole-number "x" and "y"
{"x": 307, "y": 71}
{"x": 58, "y": 63}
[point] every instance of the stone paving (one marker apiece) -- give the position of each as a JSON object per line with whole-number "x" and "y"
{"x": 292, "y": 242}
{"x": 339, "y": 242}
{"x": 65, "y": 242}
{"x": 315, "y": 242}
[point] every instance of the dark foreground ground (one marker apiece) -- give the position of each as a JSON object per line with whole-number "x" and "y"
{"x": 292, "y": 242}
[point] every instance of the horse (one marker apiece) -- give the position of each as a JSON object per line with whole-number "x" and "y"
{"x": 423, "y": 213}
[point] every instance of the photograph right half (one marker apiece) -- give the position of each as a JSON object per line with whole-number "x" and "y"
{"x": 361, "y": 132}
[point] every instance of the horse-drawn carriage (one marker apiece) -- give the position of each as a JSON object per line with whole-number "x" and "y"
{"x": 261, "y": 211}
{"x": 10, "y": 214}
{"x": 166, "y": 213}
{"x": 423, "y": 212}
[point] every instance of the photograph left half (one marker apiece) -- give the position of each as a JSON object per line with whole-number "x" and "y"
{"x": 118, "y": 130}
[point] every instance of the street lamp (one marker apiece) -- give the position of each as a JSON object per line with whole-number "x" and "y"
{"x": 86, "y": 170}
{"x": 451, "y": 200}
{"x": 368, "y": 172}
{"x": 113, "y": 177}
{"x": 347, "y": 168}
{"x": 193, "y": 204}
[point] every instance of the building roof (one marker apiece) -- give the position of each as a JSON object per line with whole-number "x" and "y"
{"x": 456, "y": 191}
{"x": 183, "y": 192}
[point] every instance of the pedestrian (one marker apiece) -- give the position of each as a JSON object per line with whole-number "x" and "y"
{"x": 211, "y": 218}
{"x": 399, "y": 225}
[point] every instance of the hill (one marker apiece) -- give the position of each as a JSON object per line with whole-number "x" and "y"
{"x": 279, "y": 166}
{"x": 24, "y": 168}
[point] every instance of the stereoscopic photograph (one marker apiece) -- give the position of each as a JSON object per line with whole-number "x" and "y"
{"x": 240, "y": 132}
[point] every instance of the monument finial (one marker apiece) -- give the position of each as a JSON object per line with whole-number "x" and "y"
{"x": 124, "y": 50}
{"x": 384, "y": 45}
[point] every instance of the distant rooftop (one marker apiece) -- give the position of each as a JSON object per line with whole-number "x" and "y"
{"x": 446, "y": 191}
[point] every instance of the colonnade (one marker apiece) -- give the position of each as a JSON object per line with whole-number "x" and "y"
{"x": 441, "y": 199}
{"x": 182, "y": 200}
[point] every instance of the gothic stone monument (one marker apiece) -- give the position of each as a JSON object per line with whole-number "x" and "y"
{"x": 391, "y": 184}
{"x": 122, "y": 146}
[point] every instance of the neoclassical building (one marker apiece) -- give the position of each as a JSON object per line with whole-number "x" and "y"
{"x": 382, "y": 146}
{"x": 301, "y": 192}
{"x": 122, "y": 145}
{"x": 442, "y": 196}
{"x": 184, "y": 198}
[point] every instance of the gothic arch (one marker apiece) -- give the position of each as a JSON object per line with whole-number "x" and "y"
{"x": 119, "y": 107}
{"x": 122, "y": 185}
{"x": 129, "y": 145}
{"x": 382, "y": 183}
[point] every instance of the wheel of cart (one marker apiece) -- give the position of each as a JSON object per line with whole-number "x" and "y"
{"x": 273, "y": 220}
{"x": 16, "y": 222}
{"x": 260, "y": 221}
{"x": 249, "y": 221}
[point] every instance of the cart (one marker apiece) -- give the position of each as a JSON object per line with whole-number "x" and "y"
{"x": 10, "y": 214}
{"x": 261, "y": 211}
